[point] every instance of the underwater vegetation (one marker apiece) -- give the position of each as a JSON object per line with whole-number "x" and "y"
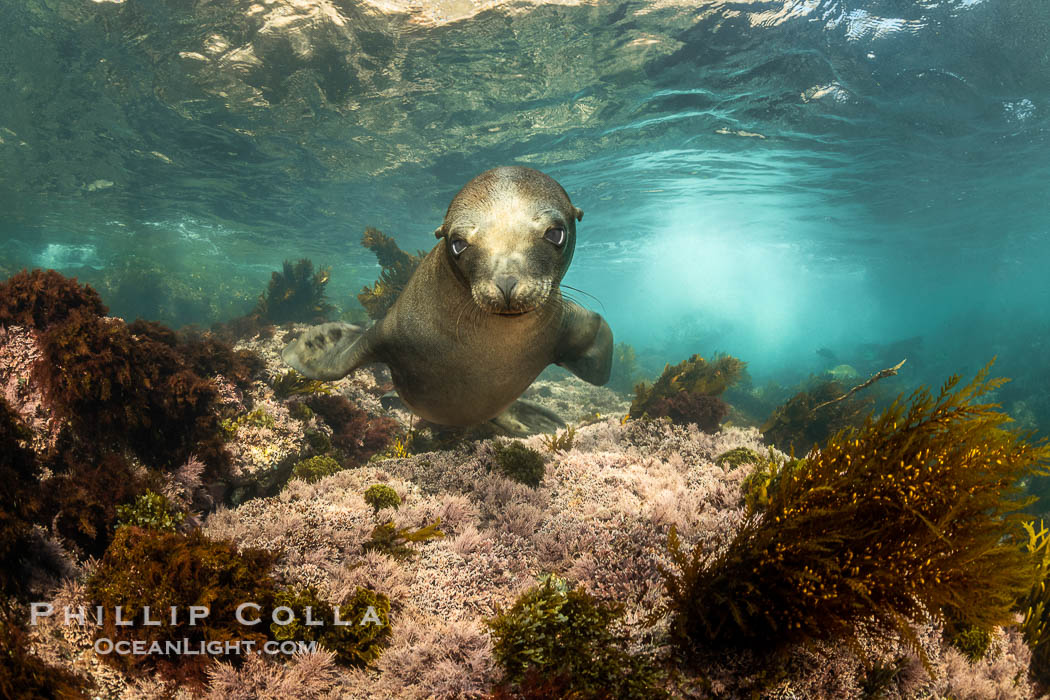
{"x": 164, "y": 569}
{"x": 123, "y": 392}
{"x": 798, "y": 425}
{"x": 738, "y": 456}
{"x": 811, "y": 416}
{"x": 689, "y": 392}
{"x": 625, "y": 373}
{"x": 355, "y": 644}
{"x": 1036, "y": 603}
{"x": 18, "y": 480}
{"x": 389, "y": 539}
{"x": 397, "y": 268}
{"x": 557, "y": 641}
{"x": 40, "y": 299}
{"x": 131, "y": 384}
{"x": 316, "y": 468}
{"x": 559, "y": 442}
{"x": 381, "y": 496}
{"x": 24, "y": 676}
{"x": 257, "y": 418}
{"x": 518, "y": 462}
{"x": 971, "y": 640}
{"x": 151, "y": 511}
{"x": 295, "y": 293}
{"x": 291, "y": 383}
{"x": 707, "y": 412}
{"x": 354, "y": 433}
{"x": 765, "y": 478}
{"x": 912, "y": 514}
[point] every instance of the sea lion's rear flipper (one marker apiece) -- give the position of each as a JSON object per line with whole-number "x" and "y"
{"x": 586, "y": 345}
{"x": 526, "y": 418}
{"x": 329, "y": 351}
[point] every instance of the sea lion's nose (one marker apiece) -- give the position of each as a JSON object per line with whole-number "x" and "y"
{"x": 506, "y": 284}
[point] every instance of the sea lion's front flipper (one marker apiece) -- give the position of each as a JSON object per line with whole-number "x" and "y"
{"x": 330, "y": 351}
{"x": 586, "y": 345}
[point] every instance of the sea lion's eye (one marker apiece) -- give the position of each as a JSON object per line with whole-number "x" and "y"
{"x": 458, "y": 245}
{"x": 556, "y": 236}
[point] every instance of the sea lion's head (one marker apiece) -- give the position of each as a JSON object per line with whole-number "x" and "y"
{"x": 509, "y": 235}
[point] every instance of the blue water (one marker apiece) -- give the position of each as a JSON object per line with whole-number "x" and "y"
{"x": 760, "y": 178}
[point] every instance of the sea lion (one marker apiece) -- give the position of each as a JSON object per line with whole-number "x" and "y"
{"x": 483, "y": 313}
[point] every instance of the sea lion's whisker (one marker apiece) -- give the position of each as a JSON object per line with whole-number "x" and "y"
{"x": 565, "y": 286}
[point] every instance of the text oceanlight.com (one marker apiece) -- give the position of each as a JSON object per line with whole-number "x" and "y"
{"x": 186, "y": 647}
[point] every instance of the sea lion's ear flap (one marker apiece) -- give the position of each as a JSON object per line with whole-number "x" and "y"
{"x": 578, "y": 213}
{"x": 439, "y": 232}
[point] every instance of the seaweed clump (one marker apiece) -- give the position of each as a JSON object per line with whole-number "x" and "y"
{"x": 164, "y": 569}
{"x": 518, "y": 462}
{"x": 689, "y": 392}
{"x": 799, "y": 424}
{"x": 559, "y": 442}
{"x": 354, "y": 432}
{"x": 316, "y": 468}
{"x": 151, "y": 511}
{"x": 296, "y": 293}
{"x": 18, "y": 484}
{"x": 43, "y": 298}
{"x": 738, "y": 456}
{"x": 381, "y": 496}
{"x": 556, "y": 641}
{"x": 912, "y": 514}
{"x": 1035, "y": 605}
{"x": 125, "y": 391}
{"x": 358, "y": 643}
{"x": 389, "y": 539}
{"x": 970, "y": 640}
{"x": 291, "y": 383}
{"x": 398, "y": 267}
{"x": 131, "y": 385}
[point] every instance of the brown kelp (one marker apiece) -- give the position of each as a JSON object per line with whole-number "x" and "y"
{"x": 390, "y": 539}
{"x": 796, "y": 427}
{"x": 559, "y": 442}
{"x": 518, "y": 462}
{"x": 689, "y": 392}
{"x": 557, "y": 641}
{"x": 810, "y": 417}
{"x": 164, "y": 569}
{"x": 358, "y": 643}
{"x": 122, "y": 392}
{"x": 397, "y": 268}
{"x": 19, "y": 471}
{"x": 42, "y": 298}
{"x": 296, "y": 293}
{"x": 1036, "y": 603}
{"x": 914, "y": 513}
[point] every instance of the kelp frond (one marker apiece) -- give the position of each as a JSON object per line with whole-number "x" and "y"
{"x": 914, "y": 513}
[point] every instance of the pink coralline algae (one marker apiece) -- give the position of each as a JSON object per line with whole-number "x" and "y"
{"x": 19, "y": 352}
